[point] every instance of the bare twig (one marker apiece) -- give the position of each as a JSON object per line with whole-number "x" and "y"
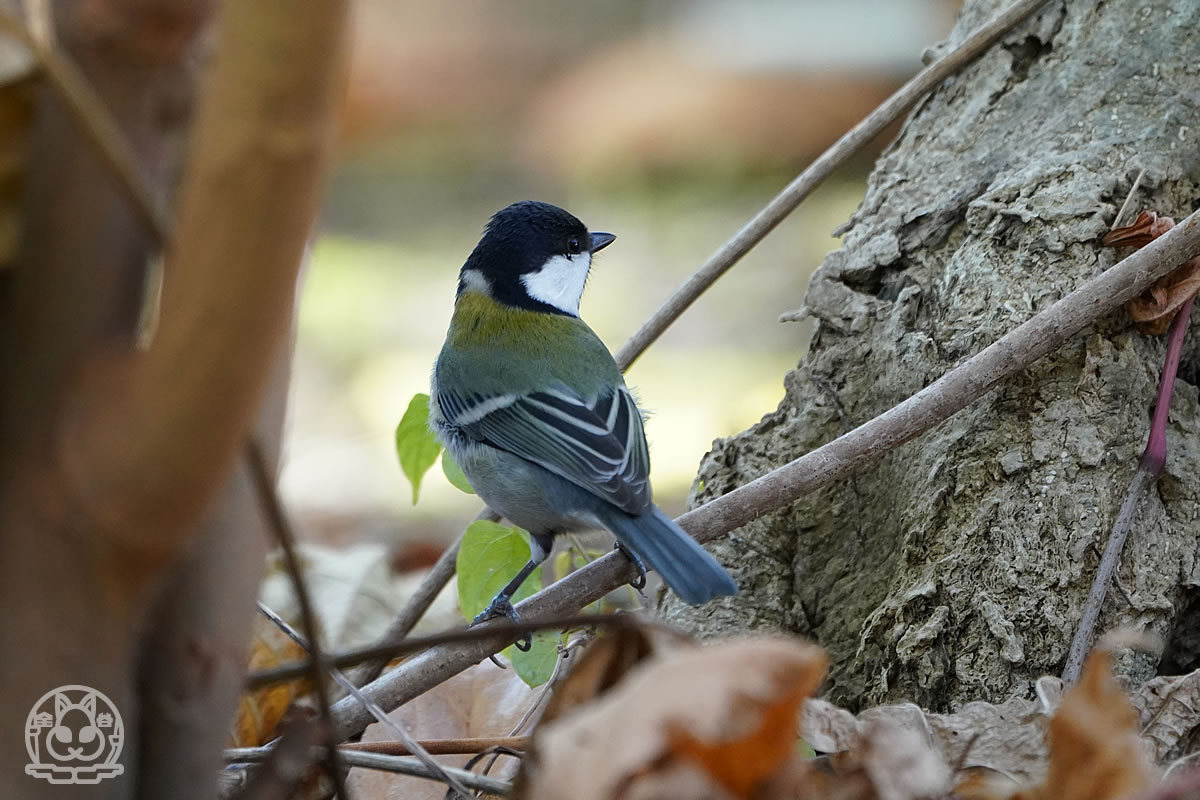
{"x": 564, "y": 652}
{"x": 1150, "y": 465}
{"x": 96, "y": 123}
{"x": 287, "y": 762}
{"x": 803, "y": 185}
{"x": 736, "y": 247}
{"x": 318, "y": 668}
{"x": 101, "y": 128}
{"x": 964, "y": 384}
{"x": 40, "y": 21}
{"x": 413, "y": 746}
{"x": 401, "y": 626}
{"x": 397, "y": 764}
{"x": 1120, "y": 218}
{"x": 1149, "y": 468}
{"x": 416, "y": 644}
{"x": 105, "y": 134}
{"x": 509, "y": 749}
{"x": 443, "y": 747}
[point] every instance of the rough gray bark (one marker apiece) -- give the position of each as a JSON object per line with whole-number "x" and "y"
{"x": 955, "y": 568}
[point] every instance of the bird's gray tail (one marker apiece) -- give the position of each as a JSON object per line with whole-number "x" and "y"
{"x": 689, "y": 569}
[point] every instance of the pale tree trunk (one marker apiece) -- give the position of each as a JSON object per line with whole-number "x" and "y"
{"x": 955, "y": 568}
{"x": 131, "y": 544}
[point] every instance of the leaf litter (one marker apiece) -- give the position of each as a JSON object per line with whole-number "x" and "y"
{"x": 646, "y": 712}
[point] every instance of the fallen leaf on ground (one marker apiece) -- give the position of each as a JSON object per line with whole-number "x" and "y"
{"x": 898, "y": 763}
{"x": 482, "y": 701}
{"x": 606, "y": 660}
{"x": 1007, "y": 738}
{"x": 1169, "y": 714}
{"x": 697, "y": 722}
{"x": 260, "y": 712}
{"x": 1153, "y": 310}
{"x": 355, "y": 593}
{"x": 1095, "y": 750}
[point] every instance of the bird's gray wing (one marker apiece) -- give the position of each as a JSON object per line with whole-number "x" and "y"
{"x": 597, "y": 444}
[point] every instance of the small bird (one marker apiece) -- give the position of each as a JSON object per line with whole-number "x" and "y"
{"x": 532, "y": 406}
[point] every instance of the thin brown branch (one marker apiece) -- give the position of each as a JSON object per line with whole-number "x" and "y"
{"x": 443, "y": 747}
{"x": 288, "y": 760}
{"x": 318, "y": 667}
{"x": 404, "y": 622}
{"x": 1119, "y": 220}
{"x": 413, "y": 746}
{"x": 1081, "y": 642}
{"x": 1150, "y": 466}
{"x": 1038, "y": 336}
{"x": 95, "y": 121}
{"x": 803, "y": 185}
{"x": 416, "y": 644}
{"x": 379, "y": 761}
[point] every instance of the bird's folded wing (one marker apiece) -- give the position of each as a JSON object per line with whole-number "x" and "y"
{"x": 597, "y": 444}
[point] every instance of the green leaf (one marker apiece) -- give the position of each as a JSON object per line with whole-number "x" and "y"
{"x": 804, "y": 749}
{"x": 415, "y": 444}
{"x": 536, "y": 666}
{"x": 454, "y": 473}
{"x": 489, "y": 557}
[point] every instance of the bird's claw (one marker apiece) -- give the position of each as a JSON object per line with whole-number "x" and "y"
{"x": 639, "y": 582}
{"x": 501, "y": 606}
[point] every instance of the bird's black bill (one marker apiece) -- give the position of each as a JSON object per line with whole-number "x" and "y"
{"x": 601, "y": 241}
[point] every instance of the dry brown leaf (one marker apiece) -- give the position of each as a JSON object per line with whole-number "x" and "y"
{"x": 1007, "y": 739}
{"x": 1095, "y": 750}
{"x": 259, "y": 712}
{"x": 1153, "y": 310}
{"x": 1145, "y": 229}
{"x": 902, "y": 764}
{"x": 483, "y": 701}
{"x": 606, "y": 660}
{"x": 827, "y": 728}
{"x": 355, "y": 595}
{"x": 1169, "y": 714}
{"x": 741, "y": 765}
{"x": 630, "y": 743}
{"x": 980, "y": 783}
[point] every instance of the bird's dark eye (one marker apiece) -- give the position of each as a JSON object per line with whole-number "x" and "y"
{"x": 573, "y": 246}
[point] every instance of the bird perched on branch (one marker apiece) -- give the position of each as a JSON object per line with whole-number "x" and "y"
{"x": 531, "y": 405}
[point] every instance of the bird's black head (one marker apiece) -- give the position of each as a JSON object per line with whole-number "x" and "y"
{"x": 535, "y": 256}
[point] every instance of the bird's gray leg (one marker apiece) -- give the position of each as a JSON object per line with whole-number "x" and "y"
{"x": 639, "y": 582}
{"x": 501, "y": 605}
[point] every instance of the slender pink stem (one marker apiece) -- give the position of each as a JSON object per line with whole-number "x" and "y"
{"x": 1154, "y": 458}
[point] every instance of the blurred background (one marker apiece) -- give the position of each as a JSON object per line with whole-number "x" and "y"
{"x": 666, "y": 122}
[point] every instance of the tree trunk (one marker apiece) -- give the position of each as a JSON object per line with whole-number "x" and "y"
{"x": 955, "y": 568}
{"x": 130, "y": 541}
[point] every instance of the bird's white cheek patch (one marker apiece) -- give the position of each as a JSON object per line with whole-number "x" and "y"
{"x": 560, "y": 281}
{"x": 472, "y": 280}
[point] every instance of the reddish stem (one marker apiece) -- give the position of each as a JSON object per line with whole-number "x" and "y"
{"x": 1154, "y": 458}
